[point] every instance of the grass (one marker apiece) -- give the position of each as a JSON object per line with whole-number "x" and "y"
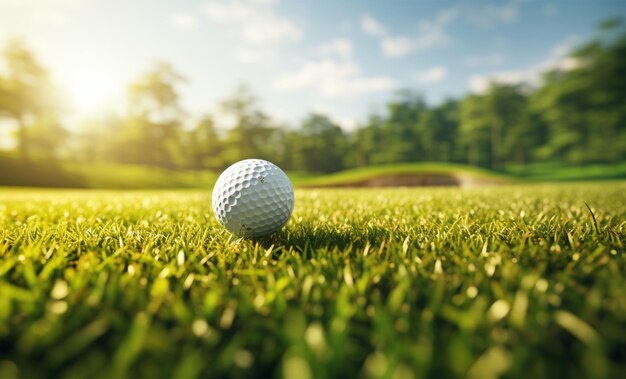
{"x": 118, "y": 176}
{"x": 513, "y": 281}
{"x": 360, "y": 174}
{"x": 556, "y": 171}
{"x": 123, "y": 176}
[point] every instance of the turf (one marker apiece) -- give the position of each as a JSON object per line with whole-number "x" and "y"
{"x": 517, "y": 281}
{"x": 557, "y": 172}
{"x": 123, "y": 176}
{"x": 359, "y": 174}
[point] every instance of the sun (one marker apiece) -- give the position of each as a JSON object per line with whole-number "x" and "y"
{"x": 91, "y": 89}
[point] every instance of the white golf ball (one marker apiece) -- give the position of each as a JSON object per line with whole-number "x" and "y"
{"x": 253, "y": 198}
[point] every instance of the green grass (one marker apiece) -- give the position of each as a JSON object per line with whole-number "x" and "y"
{"x": 558, "y": 172}
{"x": 117, "y": 176}
{"x": 121, "y": 176}
{"x": 360, "y": 174}
{"x": 514, "y": 281}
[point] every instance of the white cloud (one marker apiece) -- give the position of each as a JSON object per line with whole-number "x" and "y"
{"x": 262, "y": 30}
{"x": 372, "y": 27}
{"x": 228, "y": 12}
{"x": 259, "y": 23}
{"x": 564, "y": 47}
{"x": 269, "y": 30}
{"x": 484, "y": 60}
{"x": 430, "y": 34}
{"x": 557, "y": 59}
{"x": 431, "y": 38}
{"x": 184, "y": 20}
{"x": 480, "y": 83}
{"x": 432, "y": 75}
{"x": 333, "y": 80}
{"x": 561, "y": 62}
{"x": 396, "y": 46}
{"x": 341, "y": 47}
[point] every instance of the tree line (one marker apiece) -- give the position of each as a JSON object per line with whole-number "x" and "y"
{"x": 577, "y": 115}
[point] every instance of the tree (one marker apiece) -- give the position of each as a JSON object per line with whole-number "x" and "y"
{"x": 100, "y": 138}
{"x": 401, "y": 138}
{"x": 507, "y": 113}
{"x": 365, "y": 143}
{"x": 153, "y": 123}
{"x": 321, "y": 146}
{"x": 45, "y": 135}
{"x": 27, "y": 95}
{"x": 204, "y": 146}
{"x": 474, "y": 130}
{"x": 584, "y": 103}
{"x": 494, "y": 126}
{"x": 438, "y": 131}
{"x": 252, "y": 133}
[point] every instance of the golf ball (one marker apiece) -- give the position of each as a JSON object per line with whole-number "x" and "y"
{"x": 253, "y": 198}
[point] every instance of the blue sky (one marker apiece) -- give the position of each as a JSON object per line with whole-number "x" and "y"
{"x": 343, "y": 58}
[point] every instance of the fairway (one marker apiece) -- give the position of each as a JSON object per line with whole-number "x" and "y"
{"x": 517, "y": 281}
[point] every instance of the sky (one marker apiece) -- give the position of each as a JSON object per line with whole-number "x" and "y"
{"x": 342, "y": 58}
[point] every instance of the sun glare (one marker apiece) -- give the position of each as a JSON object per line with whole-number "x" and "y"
{"x": 91, "y": 89}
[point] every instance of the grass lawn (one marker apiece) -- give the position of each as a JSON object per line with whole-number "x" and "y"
{"x": 359, "y": 174}
{"x": 126, "y": 176}
{"x": 559, "y": 172}
{"x": 118, "y": 176}
{"x": 513, "y": 280}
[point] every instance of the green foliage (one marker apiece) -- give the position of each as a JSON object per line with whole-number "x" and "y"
{"x": 511, "y": 281}
{"x": 151, "y": 133}
{"x": 367, "y": 142}
{"x": 28, "y": 97}
{"x": 321, "y": 145}
{"x": 474, "y": 130}
{"x": 400, "y": 141}
{"x": 204, "y": 146}
{"x": 585, "y": 107}
{"x": 252, "y": 132}
{"x": 439, "y": 132}
{"x": 497, "y": 124}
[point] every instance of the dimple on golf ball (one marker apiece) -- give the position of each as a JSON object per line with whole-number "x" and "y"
{"x": 253, "y": 198}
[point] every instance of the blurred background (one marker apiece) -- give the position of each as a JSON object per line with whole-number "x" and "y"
{"x": 154, "y": 93}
